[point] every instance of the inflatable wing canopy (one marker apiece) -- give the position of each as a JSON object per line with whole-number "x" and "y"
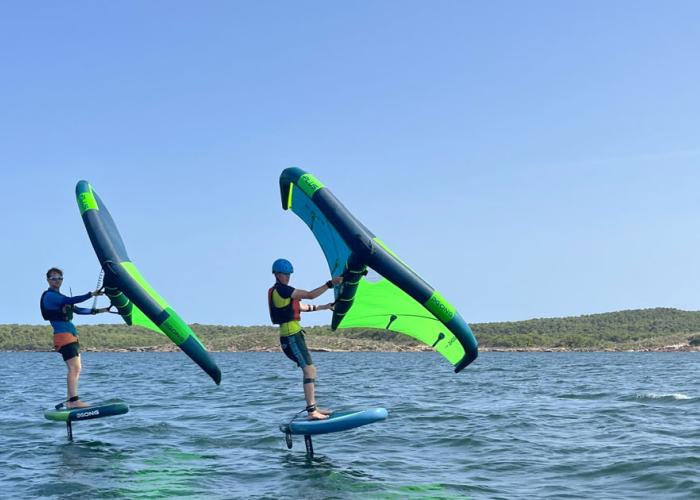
{"x": 398, "y": 299}
{"x": 136, "y": 301}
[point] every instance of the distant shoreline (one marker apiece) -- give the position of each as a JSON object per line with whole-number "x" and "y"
{"x": 642, "y": 330}
{"x": 160, "y": 348}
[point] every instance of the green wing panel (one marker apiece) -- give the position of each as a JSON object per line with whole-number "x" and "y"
{"x": 131, "y": 269}
{"x": 137, "y": 316}
{"x": 383, "y": 305}
{"x": 173, "y": 326}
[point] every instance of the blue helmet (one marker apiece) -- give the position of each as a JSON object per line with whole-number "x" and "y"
{"x": 282, "y": 266}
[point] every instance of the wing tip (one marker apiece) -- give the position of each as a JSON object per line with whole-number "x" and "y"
{"x": 288, "y": 177}
{"x": 466, "y": 360}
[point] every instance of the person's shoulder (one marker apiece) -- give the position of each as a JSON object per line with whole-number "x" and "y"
{"x": 285, "y": 291}
{"x": 51, "y": 297}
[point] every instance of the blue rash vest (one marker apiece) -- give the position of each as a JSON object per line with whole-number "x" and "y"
{"x": 54, "y": 302}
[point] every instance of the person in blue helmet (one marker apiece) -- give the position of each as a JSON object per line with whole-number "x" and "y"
{"x": 286, "y": 307}
{"x": 58, "y": 309}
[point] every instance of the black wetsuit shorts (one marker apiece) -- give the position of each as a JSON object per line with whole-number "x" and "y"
{"x": 294, "y": 346}
{"x": 69, "y": 351}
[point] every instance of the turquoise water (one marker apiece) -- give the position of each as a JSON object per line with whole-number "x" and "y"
{"x": 512, "y": 425}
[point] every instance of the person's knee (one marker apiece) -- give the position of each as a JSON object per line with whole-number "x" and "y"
{"x": 74, "y": 369}
{"x": 309, "y": 371}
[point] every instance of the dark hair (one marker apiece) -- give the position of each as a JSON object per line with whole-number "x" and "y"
{"x": 53, "y": 270}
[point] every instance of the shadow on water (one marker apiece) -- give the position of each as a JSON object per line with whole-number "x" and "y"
{"x": 79, "y": 451}
{"x": 322, "y": 477}
{"x": 77, "y": 468}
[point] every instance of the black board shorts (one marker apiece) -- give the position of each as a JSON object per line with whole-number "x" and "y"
{"x": 70, "y": 351}
{"x": 294, "y": 346}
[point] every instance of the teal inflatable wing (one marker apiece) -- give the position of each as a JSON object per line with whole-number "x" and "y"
{"x": 397, "y": 299}
{"x": 128, "y": 291}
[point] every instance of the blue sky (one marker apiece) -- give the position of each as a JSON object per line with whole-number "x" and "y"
{"x": 528, "y": 159}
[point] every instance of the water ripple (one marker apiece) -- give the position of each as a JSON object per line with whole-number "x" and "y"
{"x": 514, "y": 425}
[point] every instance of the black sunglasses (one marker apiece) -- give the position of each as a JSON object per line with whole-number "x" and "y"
{"x": 56, "y": 278}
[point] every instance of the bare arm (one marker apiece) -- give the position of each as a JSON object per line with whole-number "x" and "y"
{"x": 313, "y": 307}
{"x": 316, "y": 292}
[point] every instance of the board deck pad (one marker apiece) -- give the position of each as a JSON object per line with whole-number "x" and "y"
{"x": 336, "y": 422}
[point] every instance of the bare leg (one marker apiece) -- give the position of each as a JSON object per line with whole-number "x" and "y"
{"x": 310, "y": 392}
{"x": 74, "y": 367}
{"x": 309, "y": 389}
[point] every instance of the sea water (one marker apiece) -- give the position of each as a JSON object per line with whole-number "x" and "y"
{"x": 511, "y": 425}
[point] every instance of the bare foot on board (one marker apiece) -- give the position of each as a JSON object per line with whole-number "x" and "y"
{"x": 77, "y": 404}
{"x": 317, "y": 415}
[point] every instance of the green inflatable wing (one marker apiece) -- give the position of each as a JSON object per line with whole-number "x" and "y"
{"x": 397, "y": 299}
{"x": 136, "y": 301}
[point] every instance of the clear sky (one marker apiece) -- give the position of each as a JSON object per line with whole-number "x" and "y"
{"x": 528, "y": 159}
